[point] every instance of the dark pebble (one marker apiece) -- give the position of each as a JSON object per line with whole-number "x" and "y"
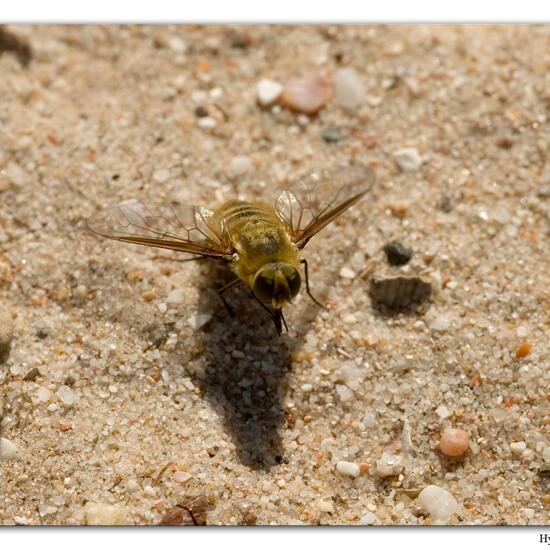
{"x": 333, "y": 135}
{"x": 397, "y": 254}
{"x": 32, "y": 375}
{"x": 201, "y": 112}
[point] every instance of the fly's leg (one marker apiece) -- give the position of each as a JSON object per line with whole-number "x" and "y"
{"x": 233, "y": 283}
{"x": 304, "y": 261}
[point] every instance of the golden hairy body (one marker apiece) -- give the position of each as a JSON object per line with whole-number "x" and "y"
{"x": 261, "y": 243}
{"x": 258, "y": 236}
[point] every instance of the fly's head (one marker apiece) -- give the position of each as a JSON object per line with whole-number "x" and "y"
{"x": 276, "y": 284}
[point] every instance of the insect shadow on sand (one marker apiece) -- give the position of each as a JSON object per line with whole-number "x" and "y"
{"x": 246, "y": 369}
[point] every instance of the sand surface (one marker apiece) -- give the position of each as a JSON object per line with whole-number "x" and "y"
{"x": 117, "y": 407}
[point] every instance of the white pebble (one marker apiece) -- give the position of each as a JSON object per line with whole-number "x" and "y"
{"x": 163, "y": 308}
{"x": 389, "y": 465}
{"x": 347, "y": 468}
{"x": 175, "y": 297}
{"x": 546, "y": 454}
{"x": 176, "y": 44}
{"x": 368, "y": 519}
{"x": 443, "y": 412}
{"x": 8, "y": 449}
{"x": 150, "y": 491}
{"x": 344, "y": 393}
{"x": 369, "y": 420}
{"x": 347, "y": 273}
{"x": 198, "y": 321}
{"x": 45, "y": 509}
{"x": 43, "y": 394}
{"x": 306, "y": 387}
{"x": 440, "y": 323}
{"x": 349, "y": 319}
{"x": 351, "y": 374}
{"x": 325, "y": 505}
{"x": 240, "y": 165}
{"x": 437, "y": 502}
{"x": 206, "y": 122}
{"x": 182, "y": 477}
{"x": 20, "y": 520}
{"x": 15, "y": 174}
{"x": 268, "y": 91}
{"x": 160, "y": 176}
{"x": 518, "y": 447}
{"x": 350, "y": 91}
{"x": 96, "y": 513}
{"x": 522, "y": 331}
{"x": 66, "y": 395}
{"x": 6, "y": 330}
{"x": 132, "y": 486}
{"x": 407, "y": 159}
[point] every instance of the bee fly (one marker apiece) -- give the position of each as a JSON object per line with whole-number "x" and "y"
{"x": 260, "y": 242}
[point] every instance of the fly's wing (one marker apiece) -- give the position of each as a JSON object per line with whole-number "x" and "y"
{"x": 306, "y": 206}
{"x": 185, "y": 228}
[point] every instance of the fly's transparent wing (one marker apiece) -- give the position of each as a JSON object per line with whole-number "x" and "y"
{"x": 185, "y": 228}
{"x": 311, "y": 203}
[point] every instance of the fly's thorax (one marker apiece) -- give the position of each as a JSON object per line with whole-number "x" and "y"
{"x": 258, "y": 236}
{"x": 276, "y": 284}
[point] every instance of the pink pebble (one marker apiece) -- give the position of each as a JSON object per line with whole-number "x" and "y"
{"x": 308, "y": 94}
{"x": 454, "y": 442}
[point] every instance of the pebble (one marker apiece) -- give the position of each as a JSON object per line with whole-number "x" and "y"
{"x": 397, "y": 254}
{"x": 308, "y": 94}
{"x": 437, "y": 502}
{"x": 389, "y": 465}
{"x": 15, "y": 174}
{"x": 407, "y": 159}
{"x": 326, "y": 506}
{"x": 43, "y": 394}
{"x": 348, "y": 468}
{"x": 454, "y": 442}
{"x": 268, "y": 91}
{"x": 443, "y": 412}
{"x": 176, "y": 44}
{"x": 132, "y": 486}
{"x": 240, "y": 165}
{"x": 198, "y": 321}
{"x": 66, "y": 395}
{"x": 518, "y": 447}
{"x": 440, "y": 323}
{"x": 350, "y": 91}
{"x": 163, "y": 308}
{"x": 368, "y": 519}
{"x": 523, "y": 350}
{"x": 347, "y": 273}
{"x": 175, "y": 297}
{"x": 546, "y": 454}
{"x": 8, "y": 449}
{"x": 160, "y": 176}
{"x": 206, "y": 122}
{"x": 344, "y": 393}
{"x": 333, "y": 135}
{"x": 97, "y": 513}
{"x": 150, "y": 491}
{"x": 6, "y": 331}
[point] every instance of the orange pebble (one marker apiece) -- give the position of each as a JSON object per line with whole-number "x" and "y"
{"x": 523, "y": 349}
{"x": 454, "y": 442}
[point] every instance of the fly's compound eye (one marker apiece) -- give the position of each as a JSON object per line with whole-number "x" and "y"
{"x": 293, "y": 279}
{"x": 264, "y": 283}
